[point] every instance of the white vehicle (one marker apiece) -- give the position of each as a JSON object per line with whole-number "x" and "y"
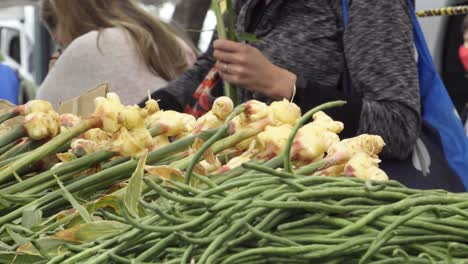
{"x": 17, "y": 38}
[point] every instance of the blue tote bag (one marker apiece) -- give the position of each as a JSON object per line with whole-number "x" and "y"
{"x": 440, "y": 159}
{"x": 9, "y": 84}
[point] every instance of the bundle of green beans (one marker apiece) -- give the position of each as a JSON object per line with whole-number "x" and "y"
{"x": 262, "y": 212}
{"x": 277, "y": 217}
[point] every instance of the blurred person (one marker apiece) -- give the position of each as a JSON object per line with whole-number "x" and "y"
{"x": 108, "y": 41}
{"x": 463, "y": 50}
{"x": 303, "y": 45}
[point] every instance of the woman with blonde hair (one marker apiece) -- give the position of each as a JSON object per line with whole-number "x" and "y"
{"x": 108, "y": 41}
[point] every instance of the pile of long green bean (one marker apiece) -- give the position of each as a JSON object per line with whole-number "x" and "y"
{"x": 275, "y": 217}
{"x": 262, "y": 212}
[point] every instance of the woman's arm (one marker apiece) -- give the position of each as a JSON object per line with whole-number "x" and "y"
{"x": 379, "y": 50}
{"x": 380, "y": 53}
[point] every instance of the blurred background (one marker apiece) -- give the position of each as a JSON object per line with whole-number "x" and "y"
{"x": 26, "y": 45}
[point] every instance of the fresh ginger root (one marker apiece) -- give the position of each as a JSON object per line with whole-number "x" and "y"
{"x": 365, "y": 167}
{"x": 315, "y": 138}
{"x": 222, "y": 107}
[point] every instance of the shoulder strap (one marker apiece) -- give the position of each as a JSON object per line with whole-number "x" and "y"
{"x": 344, "y": 4}
{"x": 346, "y": 85}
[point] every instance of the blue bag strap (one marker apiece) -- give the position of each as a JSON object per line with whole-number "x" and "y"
{"x": 438, "y": 108}
{"x": 344, "y": 4}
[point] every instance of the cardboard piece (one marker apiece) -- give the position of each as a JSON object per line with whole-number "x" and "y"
{"x": 83, "y": 105}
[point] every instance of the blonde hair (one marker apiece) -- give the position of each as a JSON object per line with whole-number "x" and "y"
{"x": 156, "y": 43}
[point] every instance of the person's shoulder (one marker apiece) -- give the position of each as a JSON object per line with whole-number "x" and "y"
{"x": 104, "y": 36}
{"x": 85, "y": 40}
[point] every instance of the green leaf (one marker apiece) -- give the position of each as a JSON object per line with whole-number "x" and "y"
{"x": 68, "y": 196}
{"x": 134, "y": 189}
{"x": 31, "y": 218}
{"x": 52, "y": 246}
{"x": 4, "y": 247}
{"x": 12, "y": 232}
{"x": 244, "y": 36}
{"x": 18, "y": 258}
{"x": 89, "y": 232}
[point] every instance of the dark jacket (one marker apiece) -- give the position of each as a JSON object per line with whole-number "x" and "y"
{"x": 306, "y": 37}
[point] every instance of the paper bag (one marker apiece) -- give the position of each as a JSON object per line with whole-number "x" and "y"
{"x": 83, "y": 105}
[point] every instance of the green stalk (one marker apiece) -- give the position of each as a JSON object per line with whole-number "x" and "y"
{"x": 64, "y": 148}
{"x": 48, "y": 148}
{"x": 12, "y": 135}
{"x": 9, "y": 153}
{"x": 51, "y": 183}
{"x": 8, "y": 147}
{"x": 8, "y": 115}
{"x": 224, "y": 129}
{"x": 229, "y": 90}
{"x": 81, "y": 164}
{"x": 21, "y": 148}
{"x": 305, "y": 118}
{"x": 218, "y": 147}
{"x": 155, "y": 131}
{"x": 115, "y": 173}
{"x": 84, "y": 162}
{"x": 13, "y": 149}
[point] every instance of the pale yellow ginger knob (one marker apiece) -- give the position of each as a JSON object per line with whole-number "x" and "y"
{"x": 108, "y": 110}
{"x": 222, "y": 107}
{"x": 131, "y": 117}
{"x": 68, "y": 121}
{"x": 323, "y": 120}
{"x": 80, "y": 147}
{"x": 151, "y": 107}
{"x": 285, "y": 112}
{"x": 206, "y": 122}
{"x": 172, "y": 123}
{"x": 41, "y": 125}
{"x": 245, "y": 157}
{"x": 255, "y": 111}
{"x": 273, "y": 140}
{"x": 333, "y": 171}
{"x": 365, "y": 167}
{"x": 36, "y": 106}
{"x": 312, "y": 141}
{"x": 315, "y": 138}
{"x": 160, "y": 141}
{"x": 370, "y": 144}
{"x": 131, "y": 143}
{"x": 97, "y": 135}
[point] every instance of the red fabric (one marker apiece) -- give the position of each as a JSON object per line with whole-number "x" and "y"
{"x": 201, "y": 100}
{"x": 463, "y": 53}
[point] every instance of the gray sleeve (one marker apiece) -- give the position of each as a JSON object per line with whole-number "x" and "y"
{"x": 381, "y": 59}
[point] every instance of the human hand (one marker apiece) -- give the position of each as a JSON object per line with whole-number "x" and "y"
{"x": 246, "y": 66}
